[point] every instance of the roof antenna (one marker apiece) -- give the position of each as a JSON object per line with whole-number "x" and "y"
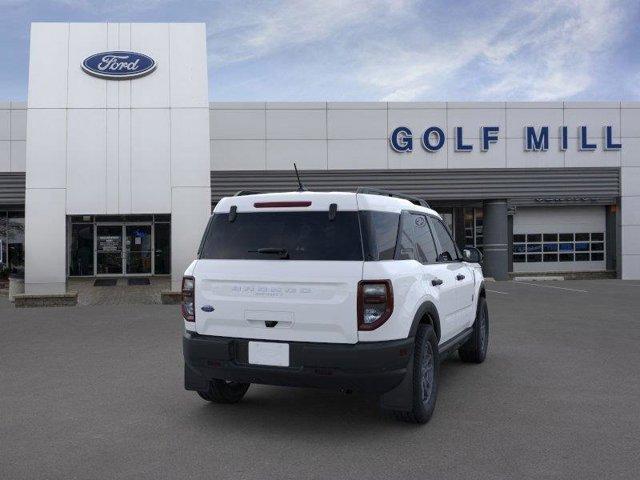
{"x": 301, "y": 187}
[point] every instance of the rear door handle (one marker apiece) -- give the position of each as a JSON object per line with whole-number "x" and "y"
{"x": 459, "y": 277}
{"x": 435, "y": 282}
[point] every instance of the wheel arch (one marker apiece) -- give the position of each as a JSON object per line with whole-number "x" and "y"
{"x": 427, "y": 314}
{"x": 482, "y": 291}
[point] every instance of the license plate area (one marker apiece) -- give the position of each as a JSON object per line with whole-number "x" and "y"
{"x": 273, "y": 354}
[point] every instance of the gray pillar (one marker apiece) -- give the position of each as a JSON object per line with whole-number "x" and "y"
{"x": 458, "y": 226}
{"x": 610, "y": 238}
{"x": 495, "y": 233}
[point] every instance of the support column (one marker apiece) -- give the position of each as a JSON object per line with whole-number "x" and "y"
{"x": 610, "y": 237}
{"x": 629, "y": 266}
{"x": 495, "y": 232}
{"x": 45, "y": 241}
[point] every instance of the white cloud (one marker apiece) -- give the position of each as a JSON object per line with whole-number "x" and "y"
{"x": 546, "y": 51}
{"x": 260, "y": 29}
{"x": 407, "y": 50}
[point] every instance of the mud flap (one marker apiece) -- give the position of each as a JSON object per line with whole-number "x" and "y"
{"x": 193, "y": 380}
{"x": 401, "y": 397}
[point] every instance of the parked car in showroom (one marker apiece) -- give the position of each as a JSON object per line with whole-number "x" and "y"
{"x": 363, "y": 291}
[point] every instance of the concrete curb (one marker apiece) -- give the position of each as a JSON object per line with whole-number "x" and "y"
{"x": 69, "y": 299}
{"x": 170, "y": 298}
{"x": 544, "y": 278}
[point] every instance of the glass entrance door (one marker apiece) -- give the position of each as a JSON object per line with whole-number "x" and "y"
{"x": 139, "y": 250}
{"x": 109, "y": 250}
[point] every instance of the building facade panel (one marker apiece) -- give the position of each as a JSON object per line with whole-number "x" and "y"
{"x": 151, "y": 160}
{"x": 518, "y": 118}
{"x": 236, "y": 124}
{"x": 18, "y": 156}
{"x": 188, "y": 56}
{"x": 5, "y": 123}
{"x": 18, "y": 124}
{"x": 238, "y": 154}
{"x": 190, "y": 146}
{"x": 574, "y": 157}
{"x": 630, "y": 122}
{"x": 152, "y": 91}
{"x": 357, "y": 154}
{"x": 281, "y": 154}
{"x": 470, "y": 119}
{"x": 48, "y": 62}
{"x": 594, "y": 117}
{"x": 364, "y": 124}
{"x": 45, "y": 241}
{"x": 5, "y": 156}
{"x": 630, "y": 154}
{"x": 86, "y": 177}
{"x": 83, "y": 91}
{"x": 517, "y": 157}
{"x": 124, "y": 161}
{"x": 296, "y": 124}
{"x": 13, "y": 128}
{"x": 494, "y": 157}
{"x": 47, "y": 148}
{"x": 418, "y": 158}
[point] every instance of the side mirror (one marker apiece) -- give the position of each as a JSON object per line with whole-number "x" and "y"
{"x": 472, "y": 255}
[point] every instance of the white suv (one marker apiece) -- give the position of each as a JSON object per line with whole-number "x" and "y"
{"x": 361, "y": 291}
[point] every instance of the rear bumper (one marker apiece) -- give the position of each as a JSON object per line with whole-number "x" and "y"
{"x": 365, "y": 367}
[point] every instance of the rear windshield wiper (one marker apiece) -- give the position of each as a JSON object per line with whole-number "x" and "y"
{"x": 282, "y": 252}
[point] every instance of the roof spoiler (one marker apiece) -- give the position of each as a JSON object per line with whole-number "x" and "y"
{"x": 387, "y": 193}
{"x": 242, "y": 193}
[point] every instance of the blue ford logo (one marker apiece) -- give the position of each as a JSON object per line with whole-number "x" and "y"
{"x": 118, "y": 65}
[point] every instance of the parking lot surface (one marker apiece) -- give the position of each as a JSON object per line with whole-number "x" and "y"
{"x": 96, "y": 392}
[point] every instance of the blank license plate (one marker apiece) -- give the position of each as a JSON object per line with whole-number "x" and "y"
{"x": 269, "y": 353}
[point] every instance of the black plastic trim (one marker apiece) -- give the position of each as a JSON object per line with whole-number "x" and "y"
{"x": 366, "y": 366}
{"x": 426, "y": 308}
{"x": 455, "y": 342}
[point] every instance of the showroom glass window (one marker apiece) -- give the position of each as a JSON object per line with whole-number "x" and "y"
{"x": 473, "y": 227}
{"x": 12, "y": 240}
{"x": 558, "y": 247}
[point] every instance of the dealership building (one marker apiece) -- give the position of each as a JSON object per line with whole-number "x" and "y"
{"x": 112, "y": 165}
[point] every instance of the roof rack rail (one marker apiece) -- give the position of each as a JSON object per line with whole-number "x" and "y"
{"x": 242, "y": 193}
{"x": 387, "y": 193}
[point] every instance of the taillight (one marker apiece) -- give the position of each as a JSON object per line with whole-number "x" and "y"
{"x": 188, "y": 305}
{"x": 375, "y": 303}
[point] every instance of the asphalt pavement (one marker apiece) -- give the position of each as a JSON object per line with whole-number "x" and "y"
{"x": 97, "y": 392}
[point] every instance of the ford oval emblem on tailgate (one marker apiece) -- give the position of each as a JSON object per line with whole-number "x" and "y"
{"x": 207, "y": 308}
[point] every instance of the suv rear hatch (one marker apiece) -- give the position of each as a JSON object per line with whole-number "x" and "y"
{"x": 281, "y": 267}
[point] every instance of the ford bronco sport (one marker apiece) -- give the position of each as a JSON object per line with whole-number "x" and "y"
{"x": 362, "y": 291}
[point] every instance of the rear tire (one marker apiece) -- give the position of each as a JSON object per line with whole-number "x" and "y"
{"x": 474, "y": 350}
{"x": 221, "y": 391}
{"x": 425, "y": 377}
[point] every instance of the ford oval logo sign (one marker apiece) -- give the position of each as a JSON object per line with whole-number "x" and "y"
{"x": 118, "y": 65}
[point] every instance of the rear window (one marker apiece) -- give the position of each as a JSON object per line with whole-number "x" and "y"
{"x": 278, "y": 235}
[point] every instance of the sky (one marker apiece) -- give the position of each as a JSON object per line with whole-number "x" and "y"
{"x": 377, "y": 50}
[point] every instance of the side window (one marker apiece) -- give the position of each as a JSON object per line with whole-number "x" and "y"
{"x": 448, "y": 251}
{"x": 379, "y": 232}
{"x": 425, "y": 245}
{"x": 405, "y": 249}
